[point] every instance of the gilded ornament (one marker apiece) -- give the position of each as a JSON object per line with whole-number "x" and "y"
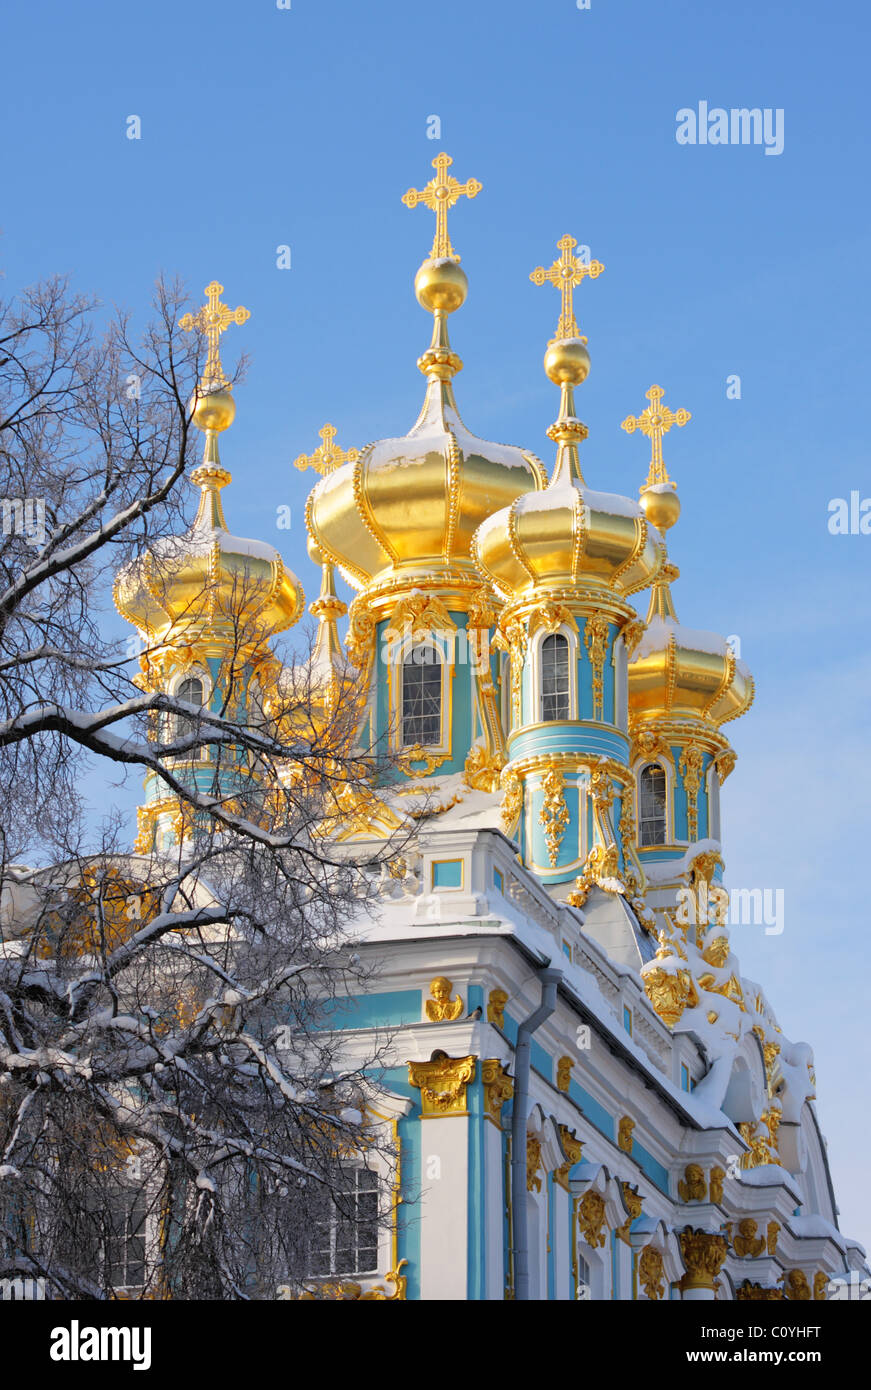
{"x": 717, "y": 1177}
{"x": 416, "y": 753}
{"x": 821, "y": 1286}
{"x": 496, "y": 1001}
{"x": 498, "y": 1087}
{"x": 747, "y": 1244}
{"x": 551, "y": 616}
{"x": 328, "y": 456}
{"x": 512, "y": 801}
{"x": 632, "y": 633}
{"x": 349, "y": 1291}
{"x": 651, "y": 1274}
{"x": 533, "y": 1162}
{"x": 690, "y": 768}
{"x": 634, "y": 1204}
{"x": 566, "y": 274}
{"x": 756, "y": 1293}
{"x": 771, "y": 1234}
{"x": 482, "y": 769}
{"x": 654, "y": 422}
{"x": 596, "y": 634}
{"x": 441, "y": 1008}
{"x": 624, "y": 1133}
{"x": 442, "y": 1084}
{"x": 571, "y": 1147}
{"x": 795, "y": 1285}
{"x": 439, "y": 195}
{"x": 703, "y": 1255}
{"x": 591, "y": 1217}
{"x": 564, "y": 1072}
{"x": 692, "y": 1187}
{"x": 213, "y": 319}
{"x": 554, "y": 814}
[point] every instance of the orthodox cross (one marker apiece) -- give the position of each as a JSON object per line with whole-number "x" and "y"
{"x": 566, "y": 274}
{"x": 654, "y": 422}
{"x": 440, "y": 194}
{"x": 212, "y": 320}
{"x": 328, "y": 455}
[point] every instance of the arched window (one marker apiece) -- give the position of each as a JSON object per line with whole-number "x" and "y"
{"x": 651, "y": 806}
{"x": 421, "y": 697}
{"x": 555, "y": 682}
{"x": 191, "y": 691}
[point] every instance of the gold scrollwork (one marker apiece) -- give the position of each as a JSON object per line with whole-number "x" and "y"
{"x": 554, "y": 813}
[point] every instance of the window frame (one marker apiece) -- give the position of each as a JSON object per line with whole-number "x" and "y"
{"x": 538, "y": 702}
{"x": 444, "y": 660}
{"x": 667, "y": 803}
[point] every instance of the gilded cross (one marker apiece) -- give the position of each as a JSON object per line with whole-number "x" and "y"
{"x": 440, "y": 194}
{"x": 328, "y": 455}
{"x": 654, "y": 422}
{"x": 566, "y": 274}
{"x": 213, "y": 319}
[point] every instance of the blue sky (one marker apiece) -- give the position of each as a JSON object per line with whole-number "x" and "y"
{"x": 263, "y": 127}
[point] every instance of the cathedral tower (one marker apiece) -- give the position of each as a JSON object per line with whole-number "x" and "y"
{"x": 566, "y": 561}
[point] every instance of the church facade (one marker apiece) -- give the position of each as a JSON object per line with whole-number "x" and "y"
{"x": 585, "y": 1096}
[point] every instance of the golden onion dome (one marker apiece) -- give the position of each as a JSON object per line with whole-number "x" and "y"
{"x": 679, "y": 673}
{"x": 568, "y": 534}
{"x": 209, "y": 577}
{"x": 411, "y": 504}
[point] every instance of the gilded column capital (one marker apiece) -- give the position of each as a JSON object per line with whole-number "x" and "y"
{"x": 498, "y": 1087}
{"x": 442, "y": 1084}
{"x": 703, "y": 1254}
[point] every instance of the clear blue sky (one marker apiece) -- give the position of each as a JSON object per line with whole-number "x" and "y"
{"x": 263, "y": 126}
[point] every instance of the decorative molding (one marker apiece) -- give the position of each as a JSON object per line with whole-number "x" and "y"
{"x": 703, "y": 1255}
{"x": 554, "y": 813}
{"x": 596, "y": 633}
{"x": 442, "y": 1084}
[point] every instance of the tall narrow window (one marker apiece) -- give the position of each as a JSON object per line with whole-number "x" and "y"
{"x": 191, "y": 691}
{"x": 124, "y": 1248}
{"x": 651, "y": 809}
{"x": 344, "y": 1236}
{"x": 421, "y": 697}
{"x": 555, "y": 684}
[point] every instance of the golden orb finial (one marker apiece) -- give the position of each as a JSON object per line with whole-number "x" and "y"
{"x": 659, "y": 498}
{"x": 213, "y": 406}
